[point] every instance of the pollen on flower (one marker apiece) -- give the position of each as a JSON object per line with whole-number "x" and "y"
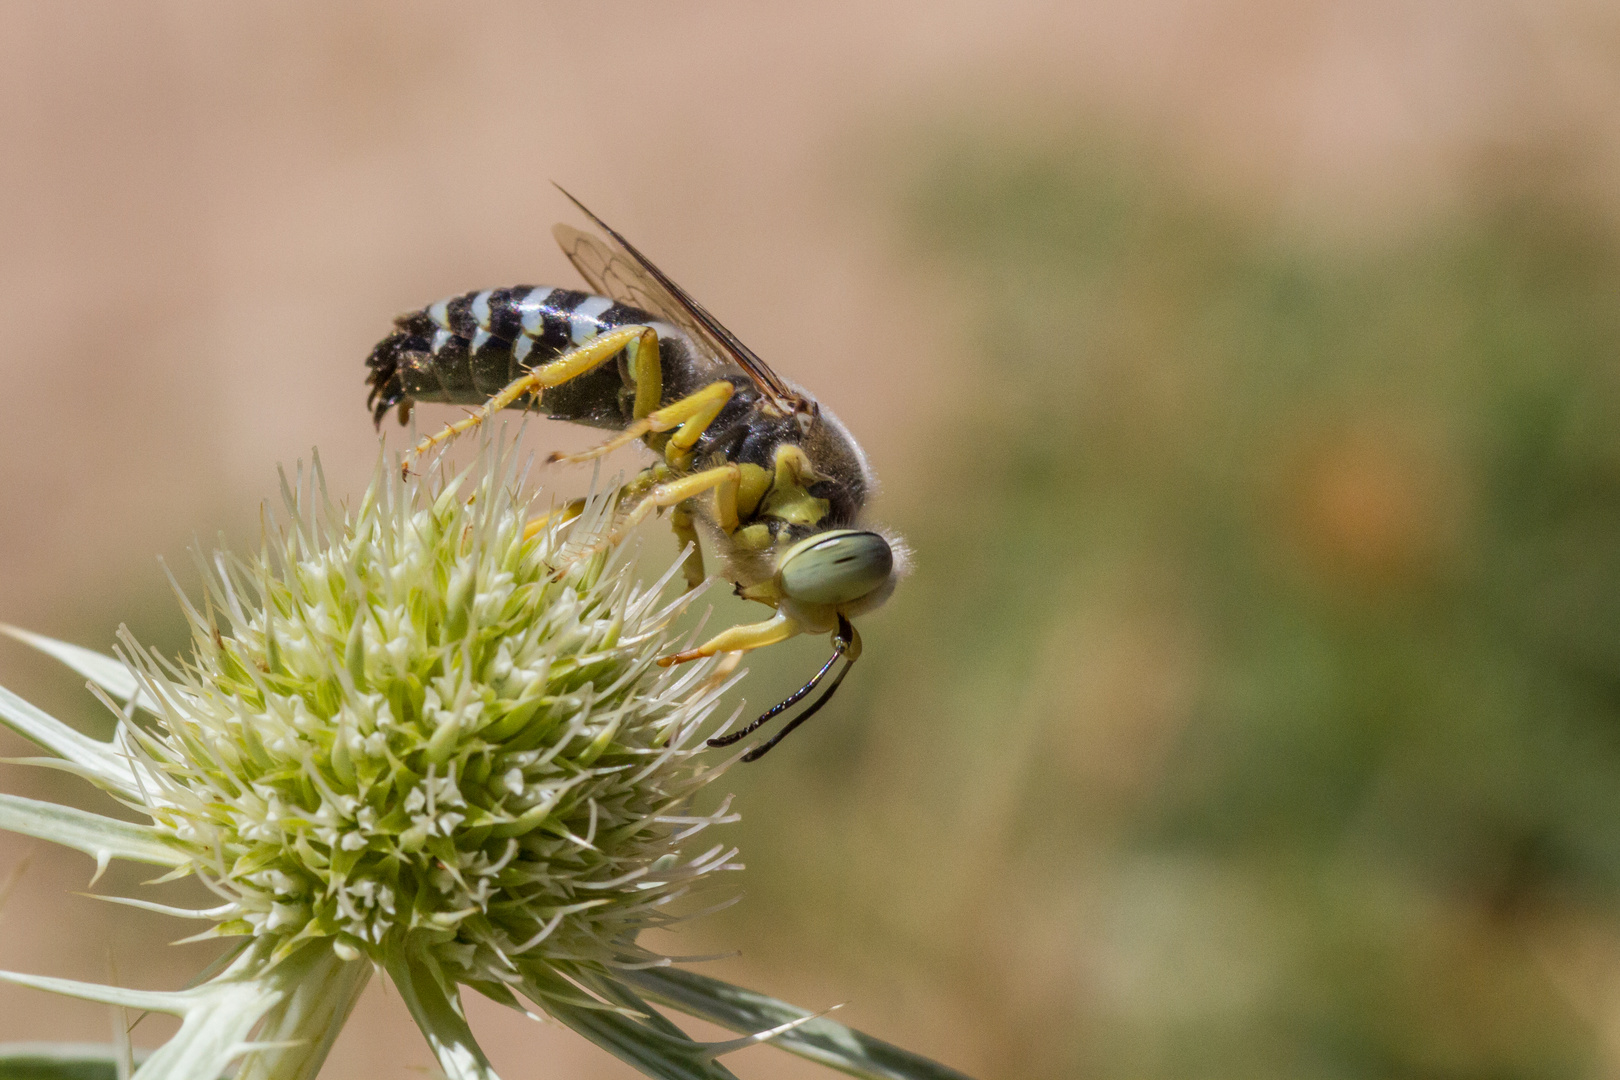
{"x": 408, "y": 726}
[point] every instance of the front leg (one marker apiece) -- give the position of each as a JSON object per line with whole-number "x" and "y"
{"x": 723, "y": 480}
{"x": 562, "y": 515}
{"x": 744, "y": 638}
{"x": 846, "y": 644}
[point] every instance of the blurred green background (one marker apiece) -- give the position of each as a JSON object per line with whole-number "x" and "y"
{"x": 1254, "y": 709}
{"x": 1243, "y": 374}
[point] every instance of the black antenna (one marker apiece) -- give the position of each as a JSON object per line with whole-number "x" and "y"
{"x": 842, "y": 641}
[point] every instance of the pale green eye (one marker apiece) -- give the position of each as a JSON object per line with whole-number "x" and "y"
{"x": 837, "y": 568}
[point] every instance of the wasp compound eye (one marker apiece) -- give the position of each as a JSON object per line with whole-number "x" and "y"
{"x": 837, "y": 569}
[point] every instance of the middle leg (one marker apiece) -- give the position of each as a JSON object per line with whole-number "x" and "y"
{"x": 691, "y": 415}
{"x": 681, "y": 520}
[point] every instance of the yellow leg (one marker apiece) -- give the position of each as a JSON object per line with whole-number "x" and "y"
{"x": 566, "y": 513}
{"x": 691, "y": 414}
{"x": 740, "y": 639}
{"x": 722, "y": 480}
{"x": 648, "y": 371}
{"x": 571, "y": 365}
{"x": 681, "y": 520}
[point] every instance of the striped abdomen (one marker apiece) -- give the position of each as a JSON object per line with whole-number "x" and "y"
{"x": 466, "y": 349}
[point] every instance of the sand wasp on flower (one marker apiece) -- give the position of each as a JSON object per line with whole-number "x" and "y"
{"x": 773, "y": 481}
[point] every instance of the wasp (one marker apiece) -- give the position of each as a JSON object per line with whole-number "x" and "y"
{"x": 771, "y": 477}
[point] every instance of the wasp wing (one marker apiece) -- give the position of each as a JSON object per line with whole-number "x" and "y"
{"x": 614, "y": 276}
{"x": 617, "y": 270}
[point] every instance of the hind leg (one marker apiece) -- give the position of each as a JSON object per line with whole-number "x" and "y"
{"x": 571, "y": 365}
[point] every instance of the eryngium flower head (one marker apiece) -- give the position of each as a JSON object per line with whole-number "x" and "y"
{"x": 416, "y": 726}
{"x": 426, "y": 734}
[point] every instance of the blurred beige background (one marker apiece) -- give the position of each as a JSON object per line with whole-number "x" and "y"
{"x": 208, "y": 213}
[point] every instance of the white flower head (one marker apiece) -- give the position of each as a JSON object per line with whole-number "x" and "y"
{"x": 424, "y": 727}
{"x": 426, "y": 734}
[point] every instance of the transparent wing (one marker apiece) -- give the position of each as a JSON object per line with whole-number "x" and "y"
{"x": 614, "y": 268}
{"x": 614, "y": 275}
